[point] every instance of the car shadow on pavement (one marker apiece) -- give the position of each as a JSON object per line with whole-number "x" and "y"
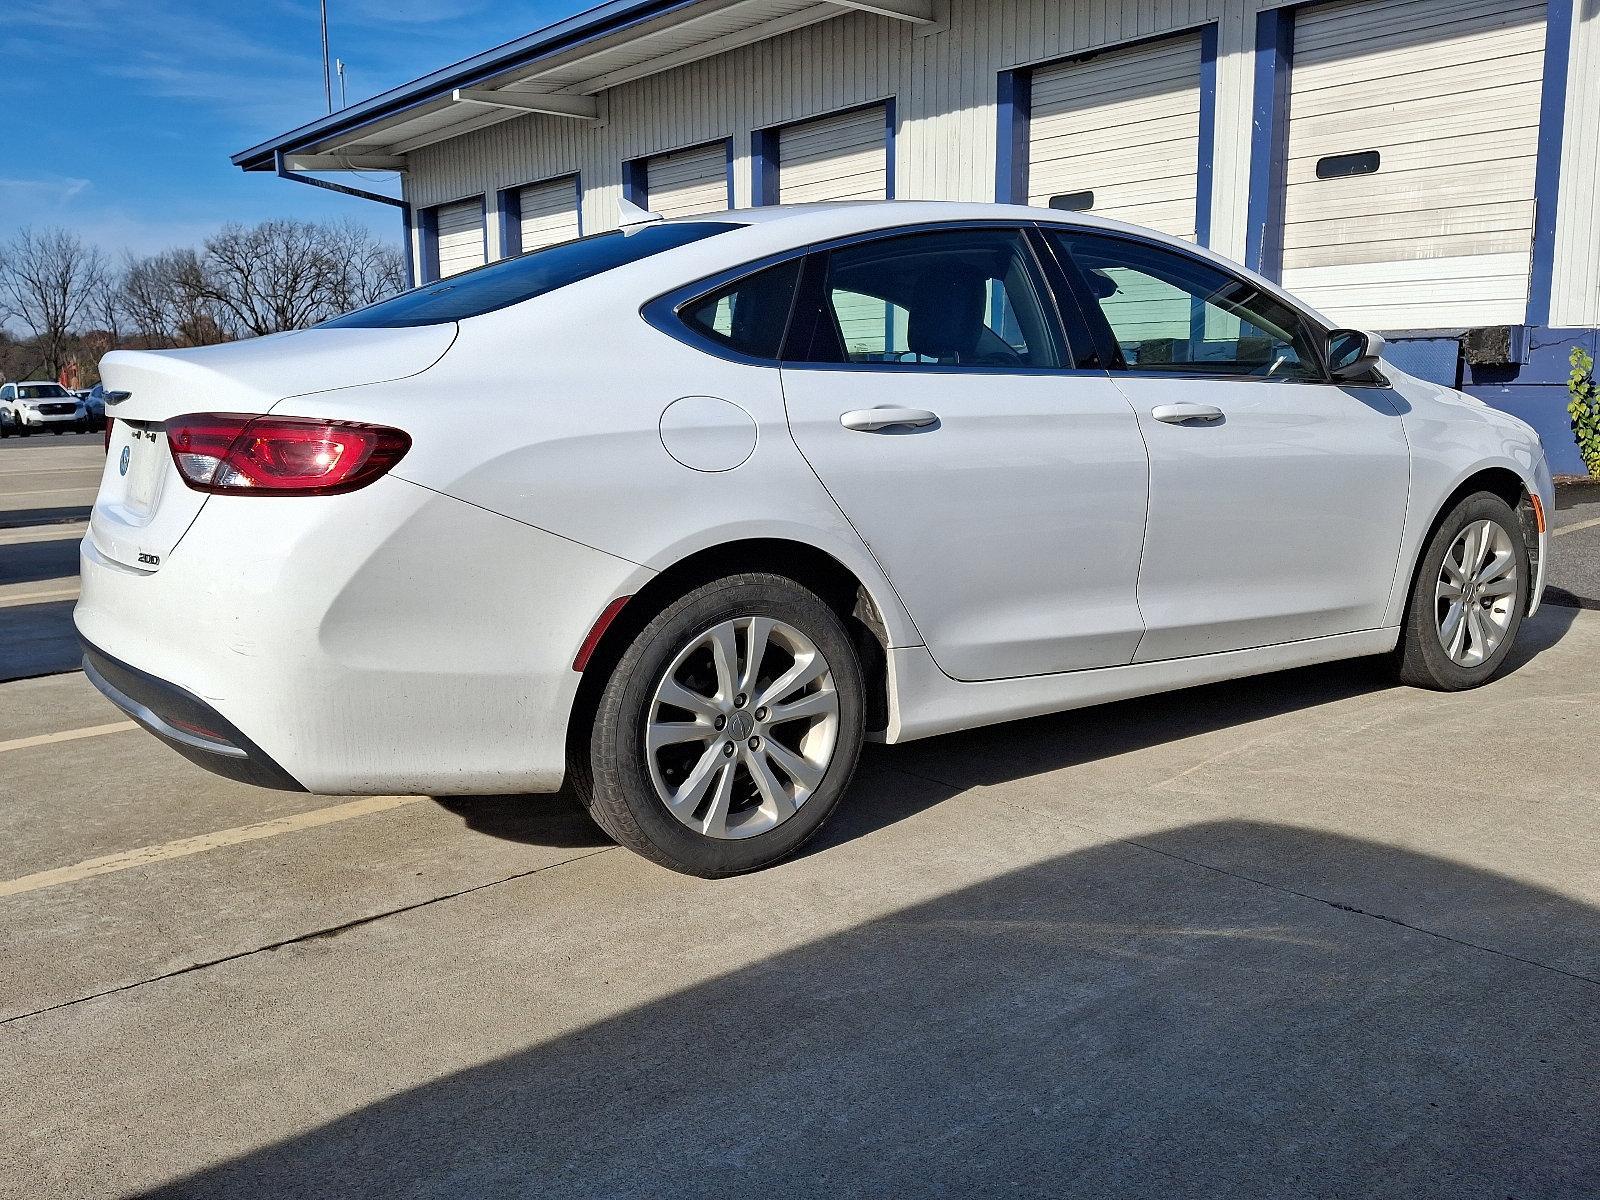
{"x": 1124, "y": 1020}
{"x": 534, "y": 820}
{"x": 24, "y": 518}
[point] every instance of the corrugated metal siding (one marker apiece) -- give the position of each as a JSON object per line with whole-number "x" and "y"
{"x": 943, "y": 79}
{"x": 842, "y": 157}
{"x": 1447, "y": 93}
{"x": 688, "y": 181}
{"x": 1575, "y": 296}
{"x": 460, "y": 237}
{"x": 549, "y": 213}
{"x": 1126, "y": 127}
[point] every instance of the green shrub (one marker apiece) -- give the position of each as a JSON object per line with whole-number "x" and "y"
{"x": 1584, "y": 408}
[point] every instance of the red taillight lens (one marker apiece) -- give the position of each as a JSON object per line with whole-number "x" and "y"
{"x": 280, "y": 456}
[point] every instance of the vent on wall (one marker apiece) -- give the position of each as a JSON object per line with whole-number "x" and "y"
{"x": 1342, "y": 166}
{"x": 1073, "y": 202}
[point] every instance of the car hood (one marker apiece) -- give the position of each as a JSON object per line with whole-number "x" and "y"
{"x": 251, "y": 376}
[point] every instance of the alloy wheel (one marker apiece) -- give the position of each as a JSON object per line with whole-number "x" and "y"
{"x": 1476, "y": 594}
{"x": 741, "y": 727}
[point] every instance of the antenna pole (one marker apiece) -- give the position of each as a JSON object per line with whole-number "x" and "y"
{"x": 327, "y": 77}
{"x": 344, "y": 101}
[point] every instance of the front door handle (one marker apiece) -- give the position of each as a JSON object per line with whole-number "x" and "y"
{"x": 1183, "y": 412}
{"x": 874, "y": 420}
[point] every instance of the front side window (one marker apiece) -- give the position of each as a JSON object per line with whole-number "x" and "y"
{"x": 1170, "y": 312}
{"x": 514, "y": 280}
{"x": 955, "y": 298}
{"x": 748, "y": 316}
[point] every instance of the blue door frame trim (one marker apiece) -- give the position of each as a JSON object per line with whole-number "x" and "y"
{"x": 1205, "y": 178}
{"x": 1014, "y": 107}
{"x": 1547, "y": 172}
{"x": 1269, "y": 132}
{"x": 764, "y": 157}
{"x": 509, "y": 205}
{"x": 1014, "y": 114}
{"x": 428, "y": 243}
{"x": 636, "y": 171}
{"x": 428, "y": 224}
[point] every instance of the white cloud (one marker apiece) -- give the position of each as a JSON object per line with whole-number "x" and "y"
{"x": 52, "y": 190}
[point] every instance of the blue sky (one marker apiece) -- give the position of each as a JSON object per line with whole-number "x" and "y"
{"x": 119, "y": 115}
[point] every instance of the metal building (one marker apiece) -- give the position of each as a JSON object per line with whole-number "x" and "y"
{"x": 1425, "y": 168}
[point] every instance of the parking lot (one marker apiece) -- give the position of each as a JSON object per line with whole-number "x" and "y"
{"x": 1304, "y": 935}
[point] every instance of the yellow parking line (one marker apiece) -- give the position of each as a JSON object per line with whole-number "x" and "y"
{"x": 16, "y": 599}
{"x": 1573, "y": 528}
{"x": 66, "y": 735}
{"x": 166, "y": 851}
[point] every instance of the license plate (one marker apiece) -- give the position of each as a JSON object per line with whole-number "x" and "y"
{"x": 147, "y": 458}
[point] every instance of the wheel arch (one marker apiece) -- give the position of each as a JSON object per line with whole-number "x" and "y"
{"x": 1498, "y": 479}
{"x": 840, "y": 587}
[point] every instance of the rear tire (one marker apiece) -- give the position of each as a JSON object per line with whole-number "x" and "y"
{"x": 711, "y": 764}
{"x": 1468, "y": 598}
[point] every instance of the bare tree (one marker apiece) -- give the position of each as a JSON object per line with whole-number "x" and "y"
{"x": 47, "y": 279}
{"x": 278, "y": 275}
{"x": 166, "y": 300}
{"x": 371, "y": 270}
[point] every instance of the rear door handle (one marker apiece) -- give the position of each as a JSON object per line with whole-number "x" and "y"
{"x": 873, "y": 420}
{"x": 1182, "y": 413}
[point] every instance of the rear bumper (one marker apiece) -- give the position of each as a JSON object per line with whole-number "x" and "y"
{"x": 185, "y": 722}
{"x": 388, "y": 641}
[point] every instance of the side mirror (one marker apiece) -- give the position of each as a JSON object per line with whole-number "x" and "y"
{"x": 1353, "y": 355}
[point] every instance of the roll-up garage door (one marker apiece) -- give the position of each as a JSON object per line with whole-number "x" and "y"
{"x": 688, "y": 181}
{"x": 843, "y": 157}
{"x": 549, "y": 213}
{"x": 1413, "y": 136}
{"x": 1119, "y": 134}
{"x": 460, "y": 229}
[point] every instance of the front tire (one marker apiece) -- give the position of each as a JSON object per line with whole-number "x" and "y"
{"x": 729, "y": 729}
{"x": 1468, "y": 598}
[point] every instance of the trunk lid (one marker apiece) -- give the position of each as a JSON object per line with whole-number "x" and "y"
{"x": 144, "y": 507}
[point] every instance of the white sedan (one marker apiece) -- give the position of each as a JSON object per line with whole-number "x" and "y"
{"x": 680, "y": 515}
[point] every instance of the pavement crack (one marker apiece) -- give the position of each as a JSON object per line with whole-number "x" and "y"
{"x": 1276, "y": 887}
{"x": 330, "y": 931}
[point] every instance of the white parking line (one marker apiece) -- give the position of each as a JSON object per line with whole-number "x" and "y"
{"x": 184, "y": 847}
{"x": 17, "y": 599}
{"x": 52, "y": 492}
{"x": 1575, "y": 526}
{"x": 43, "y": 533}
{"x": 66, "y": 735}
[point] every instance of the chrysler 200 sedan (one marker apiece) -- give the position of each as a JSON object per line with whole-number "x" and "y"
{"x": 679, "y": 515}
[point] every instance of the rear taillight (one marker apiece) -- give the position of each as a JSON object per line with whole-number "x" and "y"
{"x": 280, "y": 456}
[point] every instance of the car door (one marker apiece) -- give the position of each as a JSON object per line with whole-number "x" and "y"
{"x": 1001, "y": 489}
{"x": 1277, "y": 498}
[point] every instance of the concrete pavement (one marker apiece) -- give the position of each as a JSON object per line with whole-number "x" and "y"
{"x": 1305, "y": 935}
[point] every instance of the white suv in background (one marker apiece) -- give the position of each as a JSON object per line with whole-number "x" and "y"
{"x": 37, "y": 404}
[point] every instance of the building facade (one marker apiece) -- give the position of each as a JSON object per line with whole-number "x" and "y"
{"x": 1425, "y": 168}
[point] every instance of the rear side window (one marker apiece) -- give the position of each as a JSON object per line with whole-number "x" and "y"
{"x": 949, "y": 298}
{"x": 514, "y": 280}
{"x": 748, "y": 316}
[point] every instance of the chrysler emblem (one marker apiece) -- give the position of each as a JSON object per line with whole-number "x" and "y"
{"x": 122, "y": 464}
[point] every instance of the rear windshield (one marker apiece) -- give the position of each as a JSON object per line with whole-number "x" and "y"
{"x": 514, "y": 280}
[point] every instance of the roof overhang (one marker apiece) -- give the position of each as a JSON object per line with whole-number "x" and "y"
{"x": 560, "y": 71}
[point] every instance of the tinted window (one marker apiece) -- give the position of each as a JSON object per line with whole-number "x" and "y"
{"x": 514, "y": 280}
{"x": 956, "y": 298}
{"x": 1171, "y": 312}
{"x": 748, "y": 316}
